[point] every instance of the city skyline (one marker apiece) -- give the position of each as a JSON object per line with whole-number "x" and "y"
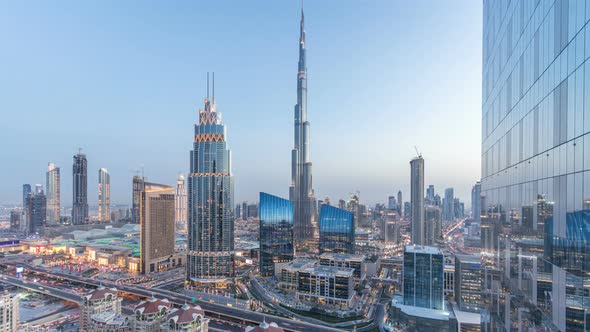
{"x": 382, "y": 174}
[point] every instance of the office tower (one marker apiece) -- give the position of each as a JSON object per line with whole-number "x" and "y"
{"x": 157, "y": 229}
{"x": 458, "y": 208}
{"x": 432, "y": 224}
{"x": 407, "y": 211}
{"x": 476, "y": 202}
{"x": 391, "y": 203}
{"x": 468, "y": 281}
{"x": 400, "y": 203}
{"x": 437, "y": 200}
{"x": 180, "y": 204}
{"x": 15, "y": 218}
{"x": 137, "y": 188}
{"x": 535, "y": 144}
{"x": 353, "y": 206}
{"x": 80, "y": 190}
{"x": 104, "y": 195}
{"x": 301, "y": 189}
{"x": 38, "y": 188}
{"x": 449, "y": 205}
{"x": 26, "y": 191}
{"x": 430, "y": 194}
{"x": 417, "y": 199}
{"x": 245, "y": 210}
{"x": 342, "y": 204}
{"x": 210, "y": 200}
{"x": 423, "y": 277}
{"x": 252, "y": 211}
{"x": 36, "y": 212}
{"x": 8, "y": 311}
{"x": 276, "y": 232}
{"x": 238, "y": 211}
{"x": 53, "y": 193}
{"x": 337, "y": 230}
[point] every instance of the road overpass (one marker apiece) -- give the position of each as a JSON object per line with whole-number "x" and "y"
{"x": 212, "y": 310}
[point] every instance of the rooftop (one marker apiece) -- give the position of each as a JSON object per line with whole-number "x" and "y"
{"x": 423, "y": 250}
{"x": 186, "y": 314}
{"x": 338, "y": 256}
{"x": 421, "y": 312}
{"x": 329, "y": 270}
{"x": 152, "y": 306}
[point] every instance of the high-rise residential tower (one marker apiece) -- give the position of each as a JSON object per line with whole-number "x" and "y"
{"x": 35, "y": 212}
{"x": 449, "y": 205}
{"x": 26, "y": 191}
{"x": 476, "y": 202}
{"x": 301, "y": 190}
{"x": 276, "y": 232}
{"x": 180, "y": 204}
{"x": 535, "y": 170}
{"x": 80, "y": 190}
{"x": 400, "y": 203}
{"x": 417, "y": 199}
{"x": 210, "y": 256}
{"x": 157, "y": 229}
{"x": 53, "y": 193}
{"x": 137, "y": 188}
{"x": 104, "y": 195}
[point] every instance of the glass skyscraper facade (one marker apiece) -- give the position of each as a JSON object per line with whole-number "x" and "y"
{"x": 423, "y": 277}
{"x": 536, "y": 164}
{"x": 210, "y": 256}
{"x": 53, "y": 193}
{"x": 301, "y": 189}
{"x": 336, "y": 230}
{"x": 276, "y": 232}
{"x": 417, "y": 199}
{"x": 80, "y": 190}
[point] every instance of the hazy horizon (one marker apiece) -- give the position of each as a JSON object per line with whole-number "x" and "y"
{"x": 124, "y": 81}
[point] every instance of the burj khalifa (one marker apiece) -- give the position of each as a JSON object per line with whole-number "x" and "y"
{"x": 305, "y": 231}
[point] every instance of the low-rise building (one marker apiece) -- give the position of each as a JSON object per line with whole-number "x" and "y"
{"x": 264, "y": 327}
{"x": 100, "y": 309}
{"x": 352, "y": 261}
{"x": 186, "y": 319}
{"x": 326, "y": 285}
{"x": 286, "y": 273}
{"x": 151, "y": 314}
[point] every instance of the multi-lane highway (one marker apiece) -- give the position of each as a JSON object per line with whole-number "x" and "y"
{"x": 212, "y": 310}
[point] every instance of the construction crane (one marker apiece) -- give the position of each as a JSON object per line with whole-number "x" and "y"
{"x": 417, "y": 152}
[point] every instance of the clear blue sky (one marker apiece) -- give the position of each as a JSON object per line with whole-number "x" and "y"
{"x": 124, "y": 80}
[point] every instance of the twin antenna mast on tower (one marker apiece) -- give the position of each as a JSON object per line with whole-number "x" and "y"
{"x": 213, "y": 87}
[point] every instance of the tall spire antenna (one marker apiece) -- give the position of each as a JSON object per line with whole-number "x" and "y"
{"x": 213, "y": 87}
{"x": 207, "y": 85}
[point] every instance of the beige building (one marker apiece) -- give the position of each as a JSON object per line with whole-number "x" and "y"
{"x": 150, "y": 315}
{"x": 157, "y": 227}
{"x": 101, "y": 311}
{"x": 8, "y": 311}
{"x": 187, "y": 319}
